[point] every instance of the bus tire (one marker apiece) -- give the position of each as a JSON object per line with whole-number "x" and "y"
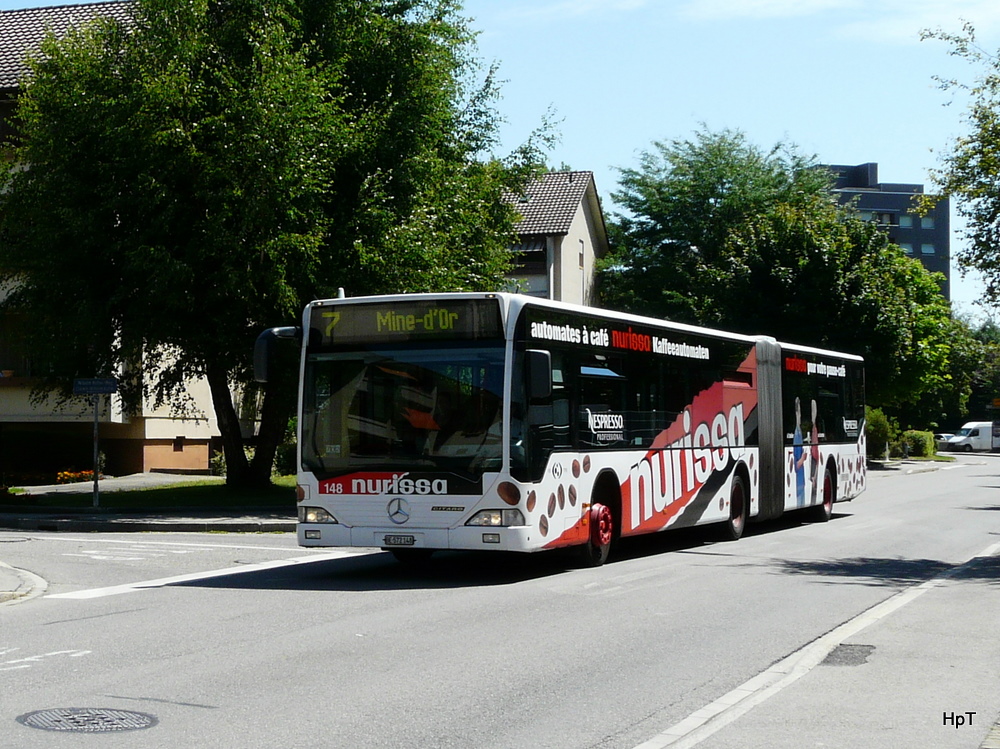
{"x": 739, "y": 507}
{"x": 595, "y": 552}
{"x": 824, "y": 510}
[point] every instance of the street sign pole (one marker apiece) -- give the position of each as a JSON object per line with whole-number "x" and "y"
{"x": 97, "y": 492}
{"x": 96, "y": 387}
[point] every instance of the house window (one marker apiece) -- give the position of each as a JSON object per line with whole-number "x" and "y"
{"x": 906, "y": 221}
{"x": 926, "y": 249}
{"x": 927, "y": 222}
{"x": 906, "y": 247}
{"x": 530, "y": 257}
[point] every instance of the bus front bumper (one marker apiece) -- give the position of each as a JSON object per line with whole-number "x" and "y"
{"x": 517, "y": 538}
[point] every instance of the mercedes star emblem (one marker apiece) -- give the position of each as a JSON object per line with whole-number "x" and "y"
{"x": 399, "y": 511}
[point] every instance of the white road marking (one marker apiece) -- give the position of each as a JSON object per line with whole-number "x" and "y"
{"x": 22, "y": 663}
{"x": 164, "y": 581}
{"x": 129, "y": 554}
{"x": 166, "y": 543}
{"x": 713, "y": 717}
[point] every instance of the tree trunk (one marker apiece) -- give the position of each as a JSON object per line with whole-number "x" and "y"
{"x": 279, "y": 400}
{"x": 237, "y": 467}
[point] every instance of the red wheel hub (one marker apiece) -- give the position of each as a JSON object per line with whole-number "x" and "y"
{"x": 600, "y": 525}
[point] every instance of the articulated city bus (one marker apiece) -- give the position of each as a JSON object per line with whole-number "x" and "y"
{"x": 501, "y": 421}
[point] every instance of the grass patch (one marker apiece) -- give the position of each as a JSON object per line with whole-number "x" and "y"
{"x": 201, "y": 496}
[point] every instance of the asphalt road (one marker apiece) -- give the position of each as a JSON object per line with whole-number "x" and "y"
{"x": 865, "y": 631}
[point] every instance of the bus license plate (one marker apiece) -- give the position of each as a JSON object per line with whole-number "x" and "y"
{"x": 399, "y": 540}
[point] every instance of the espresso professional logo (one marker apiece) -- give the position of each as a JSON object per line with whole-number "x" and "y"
{"x": 606, "y": 427}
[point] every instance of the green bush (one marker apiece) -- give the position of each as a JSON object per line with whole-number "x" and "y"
{"x": 919, "y": 444}
{"x": 880, "y": 431}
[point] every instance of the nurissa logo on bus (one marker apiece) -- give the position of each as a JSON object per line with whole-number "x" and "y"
{"x": 665, "y": 480}
{"x": 383, "y": 483}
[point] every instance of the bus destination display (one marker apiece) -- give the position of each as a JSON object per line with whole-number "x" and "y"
{"x": 405, "y": 321}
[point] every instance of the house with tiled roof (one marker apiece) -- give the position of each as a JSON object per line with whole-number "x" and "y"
{"x": 561, "y": 234}
{"x": 37, "y": 436}
{"x": 21, "y": 35}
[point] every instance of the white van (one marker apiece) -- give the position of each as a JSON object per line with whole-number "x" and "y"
{"x": 976, "y": 435}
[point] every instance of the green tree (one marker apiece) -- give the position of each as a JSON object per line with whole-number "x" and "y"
{"x": 984, "y": 370}
{"x": 681, "y": 205}
{"x": 970, "y": 170}
{"x": 724, "y": 234}
{"x": 201, "y": 173}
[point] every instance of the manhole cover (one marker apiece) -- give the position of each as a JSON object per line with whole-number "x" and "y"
{"x": 849, "y": 655}
{"x": 87, "y": 720}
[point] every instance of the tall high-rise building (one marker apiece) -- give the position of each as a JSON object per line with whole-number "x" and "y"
{"x": 927, "y": 238}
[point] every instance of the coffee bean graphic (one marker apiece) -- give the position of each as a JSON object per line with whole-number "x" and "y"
{"x": 531, "y": 501}
{"x": 562, "y": 497}
{"x": 576, "y": 469}
{"x": 552, "y": 505}
{"x": 509, "y": 493}
{"x": 543, "y": 525}
{"x": 586, "y": 464}
{"x": 572, "y": 496}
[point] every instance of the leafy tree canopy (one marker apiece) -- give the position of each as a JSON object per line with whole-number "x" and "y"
{"x": 970, "y": 170}
{"x": 199, "y": 174}
{"x": 722, "y": 233}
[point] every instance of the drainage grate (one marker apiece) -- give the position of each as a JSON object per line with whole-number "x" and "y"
{"x": 849, "y": 655}
{"x": 87, "y": 720}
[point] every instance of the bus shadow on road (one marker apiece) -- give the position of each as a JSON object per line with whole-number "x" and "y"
{"x": 893, "y": 572}
{"x": 381, "y": 572}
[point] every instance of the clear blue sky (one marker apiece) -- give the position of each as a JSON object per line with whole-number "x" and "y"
{"x": 846, "y": 80}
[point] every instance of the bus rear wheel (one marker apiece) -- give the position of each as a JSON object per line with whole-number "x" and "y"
{"x": 595, "y": 552}
{"x": 732, "y": 529}
{"x": 824, "y": 511}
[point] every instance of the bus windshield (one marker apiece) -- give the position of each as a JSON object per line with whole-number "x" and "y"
{"x": 417, "y": 409}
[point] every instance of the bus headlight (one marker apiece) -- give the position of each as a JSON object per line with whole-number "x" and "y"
{"x": 497, "y": 518}
{"x": 315, "y": 515}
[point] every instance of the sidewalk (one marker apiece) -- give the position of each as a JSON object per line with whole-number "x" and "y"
{"x": 924, "y": 675}
{"x": 77, "y": 520}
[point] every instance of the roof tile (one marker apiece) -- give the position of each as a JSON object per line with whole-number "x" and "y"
{"x": 549, "y": 204}
{"x": 22, "y": 32}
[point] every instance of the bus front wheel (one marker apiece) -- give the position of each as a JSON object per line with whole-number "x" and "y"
{"x": 594, "y": 553}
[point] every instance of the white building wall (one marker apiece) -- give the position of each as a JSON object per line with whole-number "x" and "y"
{"x": 575, "y": 279}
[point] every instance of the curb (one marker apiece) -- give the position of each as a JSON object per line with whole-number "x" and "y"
{"x": 29, "y": 585}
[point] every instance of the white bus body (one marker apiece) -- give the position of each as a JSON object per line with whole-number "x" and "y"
{"x": 499, "y": 421}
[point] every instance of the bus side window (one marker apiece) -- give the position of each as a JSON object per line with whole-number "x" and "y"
{"x": 548, "y": 420}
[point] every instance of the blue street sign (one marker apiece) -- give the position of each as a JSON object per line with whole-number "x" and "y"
{"x": 95, "y": 386}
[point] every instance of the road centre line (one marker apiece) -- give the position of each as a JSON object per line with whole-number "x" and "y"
{"x": 703, "y": 723}
{"x": 115, "y": 590}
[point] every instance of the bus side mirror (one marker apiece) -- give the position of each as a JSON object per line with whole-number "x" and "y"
{"x": 262, "y": 349}
{"x": 539, "y": 365}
